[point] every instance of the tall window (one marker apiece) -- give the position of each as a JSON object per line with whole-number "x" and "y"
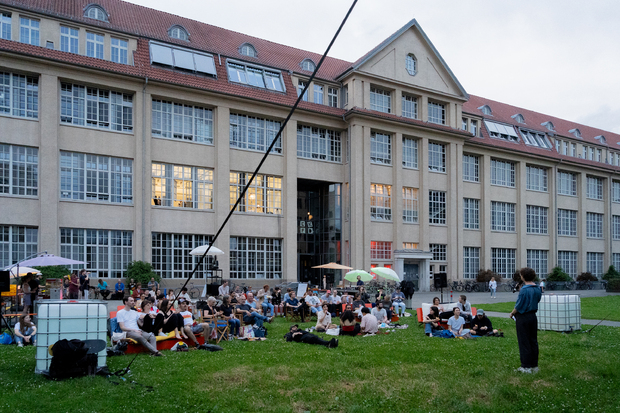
{"x": 19, "y": 170}
{"x": 94, "y": 45}
{"x": 567, "y": 260}
{"x": 255, "y": 258}
{"x": 182, "y": 186}
{"x": 96, "y": 178}
{"x": 439, "y": 252}
{"x": 410, "y": 106}
{"x": 318, "y": 143}
{"x": 69, "y": 39}
{"x": 410, "y": 205}
{"x": 470, "y": 168}
{"x": 615, "y": 191}
{"x": 300, "y": 88}
{"x": 380, "y": 100}
{"x": 264, "y": 196}
{"x": 594, "y": 263}
{"x": 615, "y": 227}
{"x": 594, "y": 225}
{"x": 19, "y": 95}
{"x": 436, "y": 157}
{"x": 97, "y": 108}
{"x": 380, "y": 250}
{"x": 504, "y": 261}
{"x": 567, "y": 222}
{"x": 5, "y": 25}
{"x": 318, "y": 94}
{"x": 471, "y": 210}
{"x": 380, "y": 202}
{"x": 380, "y": 148}
{"x": 411, "y": 64}
{"x": 437, "y": 207}
{"x": 332, "y": 97}
{"x": 615, "y": 259}
{"x": 594, "y": 187}
{"x": 118, "y": 51}
{"x": 436, "y": 113}
{"x": 29, "y": 31}
{"x": 537, "y": 260}
{"x": 473, "y": 127}
{"x": 471, "y": 262}
{"x": 537, "y": 219}
{"x": 17, "y": 243}
{"x": 253, "y": 133}
{"x": 170, "y": 254}
{"x": 502, "y": 216}
{"x": 502, "y": 173}
{"x": 536, "y": 178}
{"x": 106, "y": 253}
{"x": 184, "y": 122}
{"x": 567, "y": 183}
{"x": 410, "y": 153}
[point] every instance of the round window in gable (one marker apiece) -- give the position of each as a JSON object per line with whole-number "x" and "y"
{"x": 247, "y": 49}
{"x": 95, "y": 11}
{"x": 411, "y": 64}
{"x": 178, "y": 32}
{"x": 308, "y": 65}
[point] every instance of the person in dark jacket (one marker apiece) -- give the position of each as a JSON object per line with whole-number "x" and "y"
{"x": 524, "y": 314}
{"x": 481, "y": 325}
{"x": 300, "y": 336}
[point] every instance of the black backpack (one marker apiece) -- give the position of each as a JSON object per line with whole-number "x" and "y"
{"x": 71, "y": 359}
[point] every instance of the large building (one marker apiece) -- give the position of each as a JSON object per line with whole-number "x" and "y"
{"x": 127, "y": 133}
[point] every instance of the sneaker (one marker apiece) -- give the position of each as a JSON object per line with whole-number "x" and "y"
{"x": 158, "y": 354}
{"x": 335, "y": 343}
{"x": 534, "y": 370}
{"x": 162, "y": 334}
{"x": 20, "y": 344}
{"x": 524, "y": 370}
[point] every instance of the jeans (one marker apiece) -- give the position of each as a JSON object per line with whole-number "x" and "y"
{"x": 234, "y": 324}
{"x": 268, "y": 309}
{"x": 493, "y": 292}
{"x": 314, "y": 310}
{"x": 28, "y": 331}
{"x": 398, "y": 306}
{"x": 255, "y": 318}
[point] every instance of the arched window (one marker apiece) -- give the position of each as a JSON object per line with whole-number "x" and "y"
{"x": 519, "y": 118}
{"x": 95, "y": 11}
{"x": 411, "y": 64}
{"x": 576, "y": 132}
{"x": 548, "y": 125}
{"x": 178, "y": 32}
{"x": 308, "y": 65}
{"x": 486, "y": 109}
{"x": 247, "y": 49}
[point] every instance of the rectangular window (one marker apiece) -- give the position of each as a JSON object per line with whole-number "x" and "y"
{"x": 594, "y": 225}
{"x": 255, "y": 258}
{"x": 380, "y": 250}
{"x": 318, "y": 94}
{"x": 537, "y": 219}
{"x": 182, "y": 186}
{"x": 94, "y": 45}
{"x": 504, "y": 261}
{"x": 615, "y": 260}
{"x": 29, "y": 31}
{"x": 380, "y": 202}
{"x": 573, "y": 150}
{"x": 473, "y": 127}
{"x": 380, "y": 100}
{"x": 118, "y": 51}
{"x": 538, "y": 139}
{"x": 105, "y": 253}
{"x": 615, "y": 191}
{"x": 380, "y": 148}
{"x": 436, "y": 113}
{"x": 253, "y": 76}
{"x": 264, "y": 196}
{"x": 410, "y": 245}
{"x": 318, "y": 143}
{"x": 69, "y": 39}
{"x": 536, "y": 178}
{"x": 96, "y": 108}
{"x": 17, "y": 243}
{"x": 502, "y": 173}
{"x": 537, "y": 260}
{"x": 567, "y": 260}
{"x": 410, "y": 205}
{"x": 471, "y": 211}
{"x": 464, "y": 123}
{"x": 410, "y": 106}
{"x": 96, "y": 178}
{"x": 254, "y": 133}
{"x": 615, "y": 227}
{"x": 594, "y": 188}
{"x": 595, "y": 263}
{"x": 567, "y": 183}
{"x": 439, "y": 252}
{"x": 436, "y": 157}
{"x": 470, "y": 168}
{"x": 5, "y": 25}
{"x": 170, "y": 254}
{"x": 300, "y": 88}
{"x": 437, "y": 207}
{"x": 19, "y": 95}
{"x": 567, "y": 222}
{"x": 471, "y": 262}
{"x": 410, "y": 153}
{"x": 502, "y": 216}
{"x": 19, "y": 170}
{"x": 183, "y": 122}
{"x": 332, "y": 97}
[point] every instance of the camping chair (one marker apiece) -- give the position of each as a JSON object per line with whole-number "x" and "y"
{"x": 291, "y": 315}
{"x": 222, "y": 329}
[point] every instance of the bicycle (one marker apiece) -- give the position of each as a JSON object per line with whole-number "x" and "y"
{"x": 457, "y": 286}
{"x": 584, "y": 285}
{"x": 193, "y": 291}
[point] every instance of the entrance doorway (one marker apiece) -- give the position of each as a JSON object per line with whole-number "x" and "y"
{"x": 411, "y": 272}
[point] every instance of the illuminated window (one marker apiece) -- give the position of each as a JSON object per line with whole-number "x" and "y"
{"x": 182, "y": 186}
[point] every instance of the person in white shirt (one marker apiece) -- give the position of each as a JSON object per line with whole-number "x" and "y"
{"x": 369, "y": 324}
{"x": 185, "y": 295}
{"x": 324, "y": 320}
{"x": 128, "y": 322}
{"x": 456, "y": 323}
{"x": 223, "y": 289}
{"x": 380, "y": 313}
{"x": 493, "y": 287}
{"x": 334, "y": 302}
{"x": 314, "y": 303}
{"x": 188, "y": 324}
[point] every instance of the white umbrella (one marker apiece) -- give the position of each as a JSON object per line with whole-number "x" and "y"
{"x": 201, "y": 250}
{"x": 387, "y": 273}
{"x": 22, "y": 271}
{"x": 43, "y": 260}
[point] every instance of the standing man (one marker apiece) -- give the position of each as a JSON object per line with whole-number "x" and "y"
{"x": 359, "y": 280}
{"x": 128, "y": 321}
{"x": 74, "y": 285}
{"x": 524, "y": 314}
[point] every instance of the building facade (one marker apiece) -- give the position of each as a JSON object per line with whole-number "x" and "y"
{"x": 127, "y": 134}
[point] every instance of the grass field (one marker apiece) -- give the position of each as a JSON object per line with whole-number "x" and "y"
{"x": 404, "y": 371}
{"x": 592, "y": 308}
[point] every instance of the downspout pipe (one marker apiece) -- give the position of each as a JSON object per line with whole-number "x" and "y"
{"x": 145, "y": 198}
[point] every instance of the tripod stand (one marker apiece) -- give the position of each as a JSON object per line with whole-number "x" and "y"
{"x": 3, "y": 320}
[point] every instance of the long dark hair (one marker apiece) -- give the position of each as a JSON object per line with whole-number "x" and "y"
{"x": 347, "y": 316}
{"x": 23, "y": 324}
{"x": 434, "y": 314}
{"x": 163, "y": 306}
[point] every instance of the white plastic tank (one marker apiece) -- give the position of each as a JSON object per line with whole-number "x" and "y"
{"x": 559, "y": 312}
{"x": 69, "y": 319}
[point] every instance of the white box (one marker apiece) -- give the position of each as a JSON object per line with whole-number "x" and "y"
{"x": 559, "y": 312}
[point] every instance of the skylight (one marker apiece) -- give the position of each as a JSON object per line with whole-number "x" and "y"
{"x": 255, "y": 76}
{"x": 182, "y": 59}
{"x": 178, "y": 32}
{"x": 535, "y": 139}
{"x": 501, "y": 131}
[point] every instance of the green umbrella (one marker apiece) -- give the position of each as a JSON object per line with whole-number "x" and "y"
{"x": 351, "y": 276}
{"x": 387, "y": 273}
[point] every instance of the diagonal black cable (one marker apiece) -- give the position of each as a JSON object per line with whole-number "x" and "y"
{"x": 268, "y": 151}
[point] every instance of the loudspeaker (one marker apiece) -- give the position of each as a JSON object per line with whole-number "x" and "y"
{"x": 5, "y": 281}
{"x": 441, "y": 280}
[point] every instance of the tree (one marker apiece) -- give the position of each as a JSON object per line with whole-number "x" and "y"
{"x": 53, "y": 271}
{"x": 611, "y": 274}
{"x": 558, "y": 274}
{"x": 141, "y": 271}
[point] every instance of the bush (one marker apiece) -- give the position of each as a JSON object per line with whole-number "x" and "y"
{"x": 558, "y": 274}
{"x": 53, "y": 271}
{"x": 141, "y": 271}
{"x": 613, "y": 285}
{"x": 586, "y": 276}
{"x": 611, "y": 274}
{"x": 484, "y": 276}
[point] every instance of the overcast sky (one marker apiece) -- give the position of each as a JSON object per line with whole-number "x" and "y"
{"x": 558, "y": 57}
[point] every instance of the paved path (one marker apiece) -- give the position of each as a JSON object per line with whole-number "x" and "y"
{"x": 583, "y": 320}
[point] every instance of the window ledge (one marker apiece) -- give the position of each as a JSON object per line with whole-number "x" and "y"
{"x": 320, "y": 160}
{"x": 438, "y": 172}
{"x": 472, "y": 229}
{"x": 505, "y": 186}
{"x": 171, "y": 208}
{"x": 382, "y": 221}
{"x": 473, "y": 182}
{"x": 20, "y": 196}
{"x": 71, "y": 125}
{"x": 256, "y": 151}
{"x": 258, "y": 214}
{"x": 5, "y": 115}
{"x": 183, "y": 140}
{"x": 537, "y": 190}
{"x": 537, "y": 234}
{"x": 380, "y": 164}
{"x": 84, "y": 201}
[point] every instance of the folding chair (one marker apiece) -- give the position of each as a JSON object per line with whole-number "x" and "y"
{"x": 223, "y": 330}
{"x": 291, "y": 315}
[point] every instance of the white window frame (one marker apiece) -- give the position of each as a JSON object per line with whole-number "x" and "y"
{"x": 537, "y": 219}
{"x": 594, "y": 225}
{"x": 69, "y": 39}
{"x": 567, "y": 260}
{"x": 253, "y": 133}
{"x": 440, "y": 252}
{"x": 615, "y": 191}
{"x": 410, "y": 205}
{"x": 503, "y": 173}
{"x": 255, "y": 258}
{"x": 17, "y": 243}
{"x": 256, "y": 76}
{"x": 380, "y": 100}
{"x": 318, "y": 144}
{"x": 471, "y": 262}
{"x": 181, "y": 186}
{"x": 471, "y": 213}
{"x": 332, "y": 97}
{"x": 567, "y": 183}
{"x": 318, "y": 93}
{"x": 96, "y": 12}
{"x": 247, "y": 49}
{"x": 473, "y": 127}
{"x": 615, "y": 227}
{"x": 436, "y": 113}
{"x": 504, "y": 261}
{"x": 172, "y": 120}
{"x": 410, "y": 152}
{"x": 29, "y": 31}
{"x": 471, "y": 167}
{"x": 94, "y": 45}
{"x": 301, "y": 84}
{"x": 503, "y": 216}
{"x": 594, "y": 187}
{"x": 536, "y": 178}
{"x": 21, "y": 95}
{"x": 436, "y": 157}
{"x": 594, "y": 263}
{"x": 567, "y": 222}
{"x": 380, "y": 148}
{"x": 19, "y": 170}
{"x": 170, "y": 254}
{"x": 411, "y": 64}
{"x": 381, "y": 202}
{"x": 615, "y": 259}
{"x": 119, "y": 50}
{"x": 437, "y": 207}
{"x": 409, "y": 106}
{"x": 537, "y": 260}
{"x": 410, "y": 245}
{"x": 5, "y": 25}
{"x": 263, "y": 197}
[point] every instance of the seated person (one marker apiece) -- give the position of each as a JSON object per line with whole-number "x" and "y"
{"x": 223, "y": 289}
{"x": 364, "y": 295}
{"x": 300, "y": 336}
{"x": 25, "y": 331}
{"x": 128, "y": 321}
{"x": 173, "y": 321}
{"x": 188, "y": 324}
{"x": 346, "y": 298}
{"x": 227, "y": 309}
{"x": 103, "y": 289}
{"x": 313, "y": 302}
{"x": 348, "y": 324}
{"x": 465, "y": 308}
{"x": 358, "y": 304}
{"x": 264, "y": 296}
{"x": 431, "y": 321}
{"x": 137, "y": 293}
{"x": 481, "y": 325}
{"x": 380, "y": 313}
{"x": 152, "y": 322}
{"x": 170, "y": 295}
{"x": 184, "y": 295}
{"x": 438, "y": 305}
{"x": 369, "y": 323}
{"x": 294, "y": 304}
{"x": 334, "y": 302}
{"x": 276, "y": 299}
{"x": 325, "y": 298}
{"x": 249, "y": 314}
{"x": 379, "y": 296}
{"x": 456, "y": 323}
{"x": 119, "y": 290}
{"x": 210, "y": 313}
{"x": 398, "y": 301}
{"x": 140, "y": 300}
{"x": 324, "y": 319}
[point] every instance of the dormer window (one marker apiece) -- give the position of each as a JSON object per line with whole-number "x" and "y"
{"x": 501, "y": 131}
{"x": 601, "y": 139}
{"x": 576, "y": 132}
{"x": 308, "y": 65}
{"x": 95, "y": 11}
{"x": 411, "y": 64}
{"x": 519, "y": 118}
{"x": 178, "y": 32}
{"x": 548, "y": 125}
{"x": 486, "y": 109}
{"x": 537, "y": 139}
{"x": 247, "y": 49}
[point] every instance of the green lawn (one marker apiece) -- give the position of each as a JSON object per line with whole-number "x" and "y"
{"x": 592, "y": 308}
{"x": 404, "y": 371}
